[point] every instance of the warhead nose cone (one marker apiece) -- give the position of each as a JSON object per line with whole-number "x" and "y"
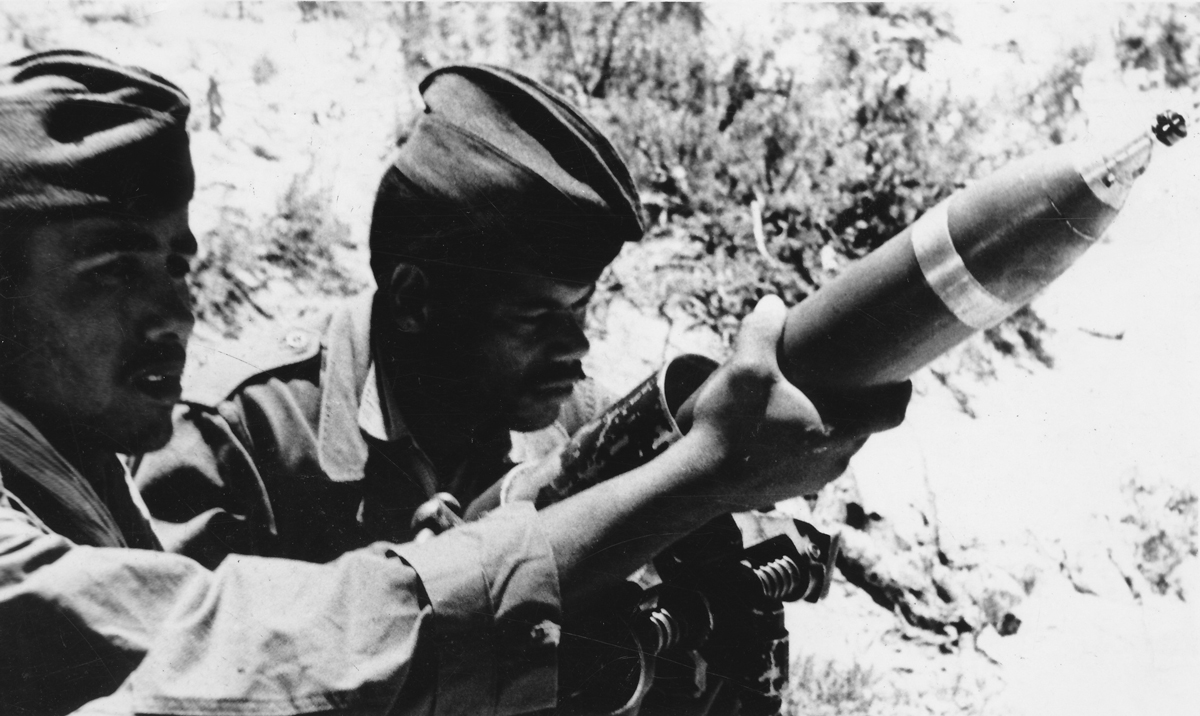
{"x": 967, "y": 264}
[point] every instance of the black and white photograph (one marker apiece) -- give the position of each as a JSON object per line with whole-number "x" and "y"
{"x": 599, "y": 359}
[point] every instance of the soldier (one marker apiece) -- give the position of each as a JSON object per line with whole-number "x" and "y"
{"x": 489, "y": 231}
{"x": 95, "y": 180}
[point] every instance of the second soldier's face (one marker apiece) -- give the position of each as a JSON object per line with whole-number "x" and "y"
{"x": 94, "y": 341}
{"x": 525, "y": 352}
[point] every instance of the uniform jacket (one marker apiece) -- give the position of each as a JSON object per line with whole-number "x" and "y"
{"x": 462, "y": 623}
{"x": 290, "y": 448}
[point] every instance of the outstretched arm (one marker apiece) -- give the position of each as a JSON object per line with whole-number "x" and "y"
{"x": 387, "y": 629}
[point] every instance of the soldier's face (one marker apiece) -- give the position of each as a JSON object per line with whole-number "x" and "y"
{"x": 94, "y": 341}
{"x": 526, "y": 350}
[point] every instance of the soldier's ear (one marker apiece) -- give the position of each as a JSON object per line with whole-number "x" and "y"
{"x": 408, "y": 293}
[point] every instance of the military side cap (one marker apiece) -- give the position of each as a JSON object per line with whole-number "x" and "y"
{"x": 78, "y": 131}
{"x": 497, "y": 166}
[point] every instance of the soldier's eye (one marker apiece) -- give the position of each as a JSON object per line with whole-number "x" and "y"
{"x": 118, "y": 272}
{"x": 529, "y": 319}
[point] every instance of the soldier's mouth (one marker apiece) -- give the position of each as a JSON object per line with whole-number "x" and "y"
{"x": 554, "y": 389}
{"x": 155, "y": 370}
{"x": 558, "y": 379}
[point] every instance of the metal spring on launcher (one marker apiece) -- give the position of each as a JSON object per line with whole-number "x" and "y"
{"x": 663, "y": 629}
{"x": 781, "y": 579}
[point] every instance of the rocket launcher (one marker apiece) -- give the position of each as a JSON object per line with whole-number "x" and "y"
{"x": 964, "y": 266}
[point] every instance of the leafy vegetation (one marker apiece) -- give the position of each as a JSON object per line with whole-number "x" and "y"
{"x": 829, "y": 689}
{"x": 771, "y": 175}
{"x": 244, "y": 257}
{"x": 1166, "y": 522}
{"x": 1159, "y": 42}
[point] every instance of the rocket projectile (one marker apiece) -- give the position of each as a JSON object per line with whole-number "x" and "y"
{"x": 966, "y": 265}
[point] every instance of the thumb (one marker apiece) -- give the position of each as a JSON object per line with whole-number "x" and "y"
{"x": 761, "y": 330}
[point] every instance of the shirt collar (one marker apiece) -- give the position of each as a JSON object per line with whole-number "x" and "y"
{"x": 355, "y": 397}
{"x": 378, "y": 415}
{"x": 345, "y": 363}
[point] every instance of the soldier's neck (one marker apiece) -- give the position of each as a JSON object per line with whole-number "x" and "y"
{"x": 444, "y": 417}
{"x": 445, "y": 423}
{"x": 444, "y": 412}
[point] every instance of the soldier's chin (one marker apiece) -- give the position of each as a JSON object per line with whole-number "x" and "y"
{"x": 137, "y": 436}
{"x": 535, "y": 413}
{"x": 151, "y": 439}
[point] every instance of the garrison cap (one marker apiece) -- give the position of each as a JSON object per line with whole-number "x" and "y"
{"x": 500, "y": 167}
{"x": 79, "y": 132}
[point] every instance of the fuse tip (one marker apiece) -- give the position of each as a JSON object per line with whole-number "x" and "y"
{"x": 1169, "y": 127}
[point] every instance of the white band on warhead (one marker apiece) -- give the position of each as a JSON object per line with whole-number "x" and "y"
{"x": 950, "y": 278}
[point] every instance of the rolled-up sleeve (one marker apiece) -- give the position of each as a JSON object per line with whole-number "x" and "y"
{"x": 497, "y": 624}
{"x": 369, "y": 633}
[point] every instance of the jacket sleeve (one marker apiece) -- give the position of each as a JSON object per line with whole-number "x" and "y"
{"x": 457, "y": 624}
{"x": 204, "y": 491}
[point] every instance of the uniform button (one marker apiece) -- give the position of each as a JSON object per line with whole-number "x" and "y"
{"x": 296, "y": 340}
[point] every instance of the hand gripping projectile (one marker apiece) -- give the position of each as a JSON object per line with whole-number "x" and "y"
{"x": 964, "y": 266}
